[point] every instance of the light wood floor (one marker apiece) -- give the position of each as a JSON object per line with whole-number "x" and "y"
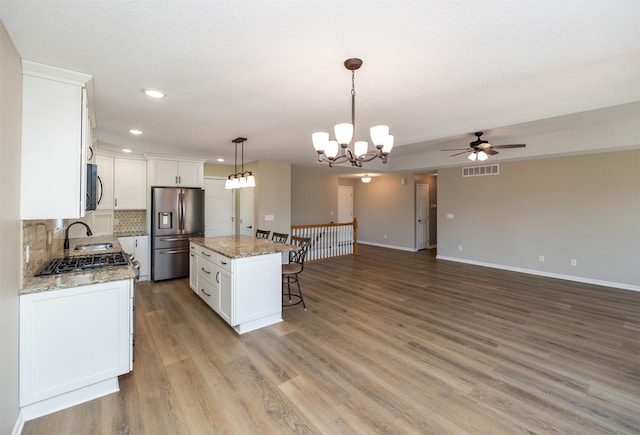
{"x": 393, "y": 342}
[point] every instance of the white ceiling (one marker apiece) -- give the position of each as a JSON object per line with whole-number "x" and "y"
{"x": 272, "y": 71}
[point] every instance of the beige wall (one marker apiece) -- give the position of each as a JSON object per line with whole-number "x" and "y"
{"x": 10, "y": 228}
{"x": 385, "y": 211}
{"x": 272, "y": 196}
{"x": 314, "y": 196}
{"x": 583, "y": 207}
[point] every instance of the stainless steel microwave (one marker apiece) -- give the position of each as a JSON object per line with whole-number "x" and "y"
{"x": 92, "y": 188}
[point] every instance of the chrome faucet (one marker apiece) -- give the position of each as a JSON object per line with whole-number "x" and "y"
{"x": 66, "y": 232}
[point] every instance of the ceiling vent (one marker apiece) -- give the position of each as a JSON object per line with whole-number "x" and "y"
{"x": 479, "y": 171}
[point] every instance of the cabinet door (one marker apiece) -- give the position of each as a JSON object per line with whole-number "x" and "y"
{"x": 130, "y": 184}
{"x": 225, "y": 284}
{"x": 73, "y": 338}
{"x": 128, "y": 244}
{"x": 190, "y": 174}
{"x": 53, "y": 147}
{"x": 102, "y": 222}
{"x": 141, "y": 253}
{"x": 165, "y": 173}
{"x": 193, "y": 268}
{"x": 105, "y": 182}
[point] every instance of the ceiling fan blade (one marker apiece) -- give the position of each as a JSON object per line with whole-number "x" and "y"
{"x": 491, "y": 152}
{"x": 456, "y": 149}
{"x": 457, "y": 154}
{"x": 515, "y": 145}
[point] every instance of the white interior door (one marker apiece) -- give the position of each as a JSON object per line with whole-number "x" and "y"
{"x": 345, "y": 204}
{"x": 246, "y": 211}
{"x": 422, "y": 216}
{"x": 219, "y": 208}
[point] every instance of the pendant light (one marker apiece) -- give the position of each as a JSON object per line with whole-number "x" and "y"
{"x": 243, "y": 178}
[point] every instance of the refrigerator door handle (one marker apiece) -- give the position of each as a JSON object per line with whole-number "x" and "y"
{"x": 180, "y": 211}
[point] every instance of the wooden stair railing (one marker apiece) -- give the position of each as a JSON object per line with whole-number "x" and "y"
{"x": 329, "y": 240}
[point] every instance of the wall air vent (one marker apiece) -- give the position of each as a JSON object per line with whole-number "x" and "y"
{"x": 479, "y": 171}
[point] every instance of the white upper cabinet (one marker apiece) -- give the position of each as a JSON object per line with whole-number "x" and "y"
{"x": 129, "y": 184}
{"x": 55, "y": 134}
{"x": 170, "y": 172}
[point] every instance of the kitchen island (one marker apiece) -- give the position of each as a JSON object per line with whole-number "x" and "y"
{"x": 240, "y": 278}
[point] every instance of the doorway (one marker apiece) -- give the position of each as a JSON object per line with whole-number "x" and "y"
{"x": 219, "y": 208}
{"x": 246, "y": 211}
{"x": 422, "y": 216}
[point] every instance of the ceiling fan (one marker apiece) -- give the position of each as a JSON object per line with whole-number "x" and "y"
{"x": 481, "y": 149}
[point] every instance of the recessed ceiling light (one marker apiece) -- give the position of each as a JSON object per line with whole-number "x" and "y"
{"x": 154, "y": 93}
{"x": 127, "y": 150}
{"x": 220, "y": 160}
{"x": 136, "y": 132}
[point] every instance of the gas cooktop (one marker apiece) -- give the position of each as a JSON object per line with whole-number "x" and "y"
{"x": 80, "y": 263}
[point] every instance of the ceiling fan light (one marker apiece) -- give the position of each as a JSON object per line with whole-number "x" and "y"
{"x": 378, "y": 134}
{"x": 344, "y": 133}
{"x": 320, "y": 139}
{"x": 331, "y": 149}
{"x": 360, "y": 148}
{"x": 472, "y": 157}
{"x": 482, "y": 156}
{"x": 388, "y": 144}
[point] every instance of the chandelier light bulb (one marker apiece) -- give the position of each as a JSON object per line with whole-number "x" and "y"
{"x": 388, "y": 144}
{"x": 378, "y": 134}
{"x": 251, "y": 181}
{"x": 320, "y": 140}
{"x": 360, "y": 148}
{"x": 344, "y": 133}
{"x": 332, "y": 149}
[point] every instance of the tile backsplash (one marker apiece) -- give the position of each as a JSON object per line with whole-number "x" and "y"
{"x": 43, "y": 242}
{"x": 129, "y": 221}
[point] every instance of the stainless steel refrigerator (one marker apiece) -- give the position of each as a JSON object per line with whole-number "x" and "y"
{"x": 176, "y": 215}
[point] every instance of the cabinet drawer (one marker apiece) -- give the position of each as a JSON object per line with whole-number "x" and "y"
{"x": 206, "y": 271}
{"x": 224, "y": 262}
{"x": 209, "y": 293}
{"x": 207, "y": 254}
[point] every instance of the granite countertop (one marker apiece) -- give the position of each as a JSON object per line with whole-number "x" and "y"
{"x": 242, "y": 246}
{"x": 75, "y": 279}
{"x": 131, "y": 234}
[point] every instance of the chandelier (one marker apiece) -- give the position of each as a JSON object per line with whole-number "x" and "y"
{"x": 344, "y": 148}
{"x": 239, "y": 179}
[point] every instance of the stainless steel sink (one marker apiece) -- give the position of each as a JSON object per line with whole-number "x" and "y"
{"x": 93, "y": 247}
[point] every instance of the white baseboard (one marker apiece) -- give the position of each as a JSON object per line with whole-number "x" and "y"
{"x": 541, "y": 273}
{"x": 67, "y": 400}
{"x": 400, "y": 248}
{"x": 17, "y": 428}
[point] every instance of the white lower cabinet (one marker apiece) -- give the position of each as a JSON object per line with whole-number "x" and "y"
{"x": 245, "y": 292}
{"x": 74, "y": 343}
{"x": 138, "y": 246}
{"x": 193, "y": 268}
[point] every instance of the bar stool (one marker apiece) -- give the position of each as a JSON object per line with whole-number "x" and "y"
{"x": 263, "y": 234}
{"x": 279, "y": 237}
{"x": 291, "y": 270}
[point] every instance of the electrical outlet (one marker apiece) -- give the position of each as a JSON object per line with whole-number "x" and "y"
{"x": 574, "y": 262}
{"x": 541, "y": 258}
